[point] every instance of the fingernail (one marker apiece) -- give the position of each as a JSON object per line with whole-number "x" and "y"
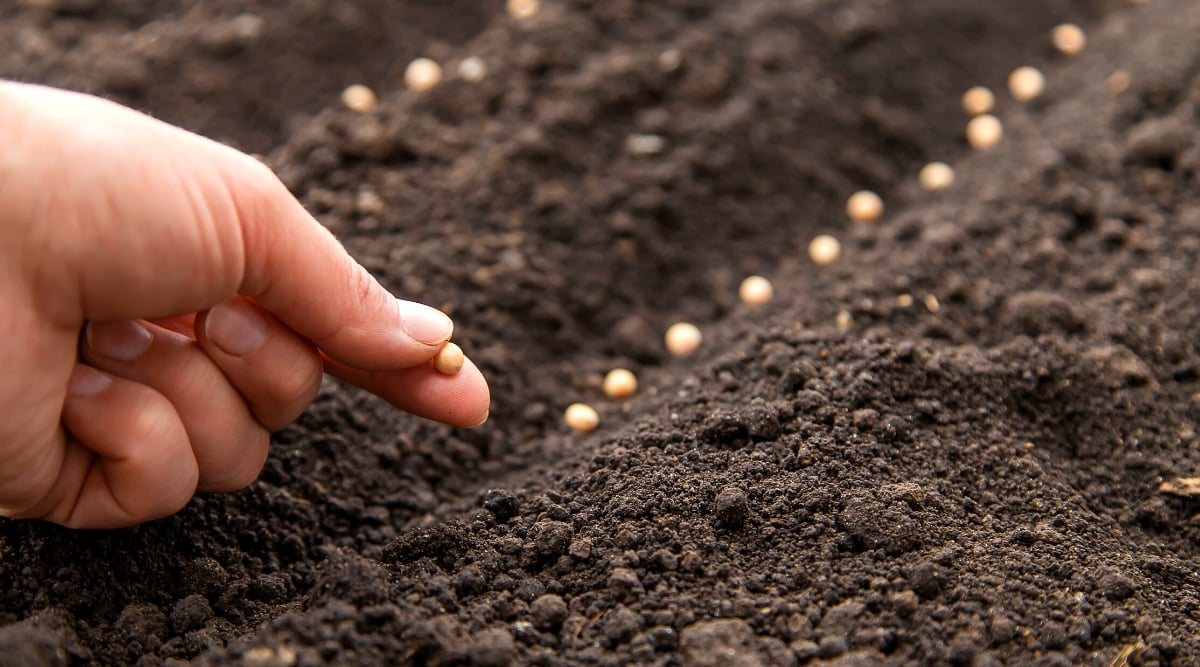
{"x": 235, "y": 327}
{"x": 428, "y": 326}
{"x": 87, "y": 381}
{"x": 125, "y": 340}
{"x": 482, "y": 421}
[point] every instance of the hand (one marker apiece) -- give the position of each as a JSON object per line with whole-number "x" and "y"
{"x": 165, "y": 304}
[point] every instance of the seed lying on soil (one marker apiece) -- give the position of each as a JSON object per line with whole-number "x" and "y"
{"x": 523, "y": 9}
{"x": 472, "y": 68}
{"x": 984, "y": 132}
{"x": 843, "y": 321}
{"x": 581, "y": 417}
{"x": 756, "y": 291}
{"x": 864, "y": 206}
{"x": 1068, "y": 38}
{"x": 1026, "y": 83}
{"x": 824, "y": 249}
{"x": 931, "y": 303}
{"x": 644, "y": 144}
{"x": 620, "y": 383}
{"x": 422, "y": 74}
{"x": 978, "y": 100}
{"x": 359, "y": 98}
{"x": 669, "y": 60}
{"x": 904, "y": 300}
{"x": 1118, "y": 82}
{"x": 936, "y": 176}
{"x": 449, "y": 359}
{"x": 682, "y": 339}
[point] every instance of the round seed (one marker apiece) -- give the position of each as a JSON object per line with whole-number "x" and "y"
{"x": 682, "y": 339}
{"x": 756, "y": 291}
{"x": 936, "y": 176}
{"x": 620, "y": 383}
{"x": 1026, "y": 83}
{"x": 904, "y": 300}
{"x": 1068, "y": 38}
{"x": 581, "y": 417}
{"x": 864, "y": 206}
{"x": 984, "y": 132}
{"x": 824, "y": 249}
{"x": 1118, "y": 82}
{"x": 422, "y": 74}
{"x": 472, "y": 68}
{"x": 359, "y": 98}
{"x": 523, "y": 9}
{"x": 449, "y": 359}
{"x": 978, "y": 100}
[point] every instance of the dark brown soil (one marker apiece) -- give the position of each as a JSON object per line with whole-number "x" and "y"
{"x": 972, "y": 479}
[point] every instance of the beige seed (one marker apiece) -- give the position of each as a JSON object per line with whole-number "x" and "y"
{"x": 581, "y": 417}
{"x": 904, "y": 300}
{"x": 824, "y": 249}
{"x": 978, "y": 100}
{"x": 359, "y": 98}
{"x": 682, "y": 339}
{"x": 864, "y": 206}
{"x": 984, "y": 132}
{"x": 1026, "y": 83}
{"x": 931, "y": 303}
{"x": 755, "y": 291}
{"x": 843, "y": 321}
{"x": 449, "y": 359}
{"x": 523, "y": 9}
{"x": 1068, "y": 38}
{"x": 620, "y": 383}
{"x": 669, "y": 60}
{"x": 472, "y": 68}
{"x": 422, "y": 74}
{"x": 1118, "y": 82}
{"x": 936, "y": 176}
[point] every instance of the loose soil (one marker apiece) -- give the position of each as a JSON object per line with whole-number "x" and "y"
{"x": 966, "y": 471}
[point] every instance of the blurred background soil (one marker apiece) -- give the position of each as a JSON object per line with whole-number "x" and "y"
{"x": 945, "y": 448}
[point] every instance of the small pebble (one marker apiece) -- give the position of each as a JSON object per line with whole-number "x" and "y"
{"x": 978, "y": 100}
{"x": 422, "y": 74}
{"x": 936, "y": 176}
{"x": 864, "y": 206}
{"x": 1026, "y": 84}
{"x": 582, "y": 417}
{"x": 755, "y": 291}
{"x": 472, "y": 68}
{"x": 984, "y": 132}
{"x": 620, "y": 383}
{"x": 1068, "y": 38}
{"x": 824, "y": 249}
{"x": 359, "y": 98}
{"x": 682, "y": 339}
{"x": 449, "y": 359}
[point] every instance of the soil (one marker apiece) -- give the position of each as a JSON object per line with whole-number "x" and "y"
{"x": 945, "y": 448}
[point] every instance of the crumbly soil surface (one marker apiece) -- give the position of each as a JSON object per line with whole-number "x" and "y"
{"x": 945, "y": 448}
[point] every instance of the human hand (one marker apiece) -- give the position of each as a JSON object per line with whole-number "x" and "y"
{"x": 209, "y": 303}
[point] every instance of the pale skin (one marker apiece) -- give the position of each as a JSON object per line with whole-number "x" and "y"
{"x": 165, "y": 304}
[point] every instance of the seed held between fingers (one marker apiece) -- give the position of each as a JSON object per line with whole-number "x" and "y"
{"x": 449, "y": 359}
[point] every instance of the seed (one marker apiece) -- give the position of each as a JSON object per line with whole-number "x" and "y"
{"x": 756, "y": 291}
{"x": 936, "y": 176}
{"x": 449, "y": 359}
{"x": 864, "y": 206}
{"x": 978, "y": 100}
{"x": 359, "y": 98}
{"x": 620, "y": 383}
{"x": 931, "y": 303}
{"x": 904, "y": 300}
{"x": 669, "y": 60}
{"x": 523, "y": 9}
{"x": 843, "y": 321}
{"x": 824, "y": 249}
{"x": 984, "y": 132}
{"x": 1068, "y": 38}
{"x": 581, "y": 417}
{"x": 472, "y": 68}
{"x": 1026, "y": 83}
{"x": 682, "y": 339}
{"x": 644, "y": 144}
{"x": 422, "y": 74}
{"x": 1118, "y": 82}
